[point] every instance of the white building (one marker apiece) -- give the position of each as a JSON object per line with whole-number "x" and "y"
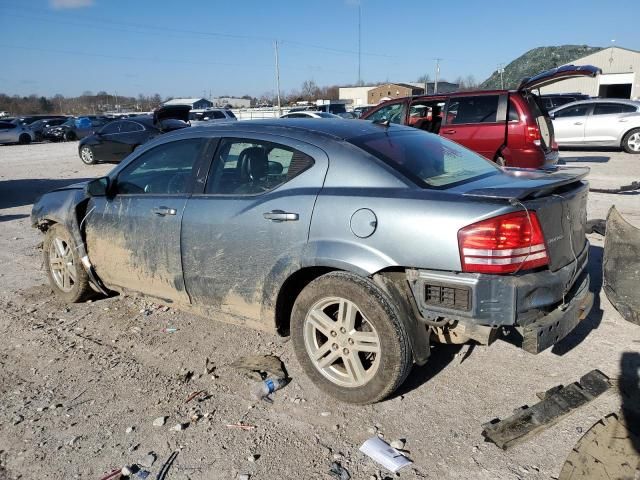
{"x": 355, "y": 95}
{"x": 620, "y": 75}
{"x": 195, "y": 103}
{"x": 233, "y": 101}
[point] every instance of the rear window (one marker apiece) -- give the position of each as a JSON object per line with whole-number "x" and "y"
{"x": 428, "y": 160}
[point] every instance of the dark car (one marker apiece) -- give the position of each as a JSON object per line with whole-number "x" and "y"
{"x": 74, "y": 128}
{"x": 510, "y": 127}
{"x": 364, "y": 242}
{"x": 555, "y": 100}
{"x": 119, "y": 138}
{"x": 39, "y": 125}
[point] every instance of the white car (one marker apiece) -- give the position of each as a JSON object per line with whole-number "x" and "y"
{"x": 15, "y": 133}
{"x": 599, "y": 122}
{"x": 309, "y": 114}
{"x": 201, "y": 117}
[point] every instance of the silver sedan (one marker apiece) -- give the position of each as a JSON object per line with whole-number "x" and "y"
{"x": 600, "y": 122}
{"x": 15, "y": 133}
{"x": 364, "y": 242}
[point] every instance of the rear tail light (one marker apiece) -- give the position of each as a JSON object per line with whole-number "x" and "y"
{"x": 533, "y": 135}
{"x": 504, "y": 244}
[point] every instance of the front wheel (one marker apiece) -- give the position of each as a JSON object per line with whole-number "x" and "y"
{"x": 87, "y": 156}
{"x": 64, "y": 269}
{"x": 631, "y": 141}
{"x": 348, "y": 338}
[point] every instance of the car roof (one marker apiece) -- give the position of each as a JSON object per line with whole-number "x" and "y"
{"x": 337, "y": 128}
{"x": 590, "y": 101}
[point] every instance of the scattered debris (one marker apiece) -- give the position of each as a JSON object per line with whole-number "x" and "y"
{"x": 129, "y": 429}
{"x": 148, "y": 460}
{"x": 194, "y": 395}
{"x": 399, "y": 444}
{"x": 209, "y": 367}
{"x": 178, "y": 427}
{"x": 262, "y": 390}
{"x": 185, "y": 376}
{"x": 73, "y": 441}
{"x": 169, "y": 330}
{"x": 338, "y": 471}
{"x": 244, "y": 476}
{"x": 160, "y": 421}
{"x": 557, "y": 403}
{"x": 111, "y": 475}
{"x": 126, "y": 471}
{"x": 606, "y": 451}
{"x": 265, "y": 365}
{"x": 325, "y": 414}
{"x": 143, "y": 474}
{"x": 635, "y": 185}
{"x": 253, "y": 457}
{"x": 241, "y": 426}
{"x": 597, "y": 225}
{"x": 384, "y": 454}
{"x": 167, "y": 465}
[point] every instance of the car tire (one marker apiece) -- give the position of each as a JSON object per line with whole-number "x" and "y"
{"x": 67, "y": 276}
{"x": 69, "y": 136}
{"x": 24, "y": 139}
{"x": 87, "y": 155}
{"x": 359, "y": 358}
{"x": 631, "y": 141}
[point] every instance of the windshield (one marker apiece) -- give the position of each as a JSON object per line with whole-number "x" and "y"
{"x": 428, "y": 160}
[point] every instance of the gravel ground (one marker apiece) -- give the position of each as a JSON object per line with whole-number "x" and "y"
{"x": 81, "y": 385}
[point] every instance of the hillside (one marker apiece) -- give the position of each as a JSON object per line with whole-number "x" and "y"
{"x": 535, "y": 61}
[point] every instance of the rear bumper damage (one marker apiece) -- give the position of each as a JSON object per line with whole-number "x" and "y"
{"x": 542, "y": 306}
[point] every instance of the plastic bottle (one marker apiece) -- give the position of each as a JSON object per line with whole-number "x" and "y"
{"x": 263, "y": 389}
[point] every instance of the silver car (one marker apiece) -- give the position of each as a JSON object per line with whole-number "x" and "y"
{"x": 15, "y": 133}
{"x": 364, "y": 242}
{"x": 600, "y": 122}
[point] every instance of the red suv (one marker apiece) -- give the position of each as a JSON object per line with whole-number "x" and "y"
{"x": 510, "y": 127}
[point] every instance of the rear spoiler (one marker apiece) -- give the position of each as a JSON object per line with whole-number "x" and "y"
{"x": 537, "y": 183}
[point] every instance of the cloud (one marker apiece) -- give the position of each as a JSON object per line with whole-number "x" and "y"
{"x": 61, "y": 4}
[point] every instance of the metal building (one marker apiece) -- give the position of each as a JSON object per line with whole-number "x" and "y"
{"x": 620, "y": 75}
{"x": 195, "y": 103}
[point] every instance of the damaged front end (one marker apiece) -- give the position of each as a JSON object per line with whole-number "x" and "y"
{"x": 621, "y": 266}
{"x": 67, "y": 206}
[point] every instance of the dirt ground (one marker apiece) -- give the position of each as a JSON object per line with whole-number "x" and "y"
{"x": 80, "y": 385}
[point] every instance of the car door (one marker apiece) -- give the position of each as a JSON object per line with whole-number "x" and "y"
{"x": 5, "y": 132}
{"x": 131, "y": 134}
{"x": 104, "y": 148}
{"x": 251, "y": 223}
{"x": 606, "y": 122}
{"x": 569, "y": 123}
{"x": 133, "y": 235}
{"x": 478, "y": 122}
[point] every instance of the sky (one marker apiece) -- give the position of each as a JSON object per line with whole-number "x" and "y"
{"x": 202, "y": 47}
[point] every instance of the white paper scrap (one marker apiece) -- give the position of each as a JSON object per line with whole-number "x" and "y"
{"x": 385, "y": 454}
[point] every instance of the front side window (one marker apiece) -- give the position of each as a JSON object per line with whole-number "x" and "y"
{"x": 577, "y": 111}
{"x": 216, "y": 114}
{"x": 477, "y": 109}
{"x": 612, "y": 108}
{"x": 250, "y": 167}
{"x": 429, "y": 161}
{"x": 167, "y": 169}
{"x": 393, "y": 113}
{"x": 110, "y": 128}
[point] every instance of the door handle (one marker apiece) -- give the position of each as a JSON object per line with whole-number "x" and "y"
{"x": 162, "y": 211}
{"x": 448, "y": 132}
{"x": 578, "y": 123}
{"x": 281, "y": 216}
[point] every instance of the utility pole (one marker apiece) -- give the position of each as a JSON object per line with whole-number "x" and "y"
{"x": 116, "y": 105}
{"x": 501, "y": 72}
{"x": 359, "y": 44}
{"x": 435, "y": 83}
{"x": 275, "y": 43}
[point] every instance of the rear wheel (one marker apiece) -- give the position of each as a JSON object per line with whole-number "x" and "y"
{"x": 631, "y": 141}
{"x": 348, "y": 338}
{"x": 24, "y": 139}
{"x": 64, "y": 269}
{"x": 87, "y": 156}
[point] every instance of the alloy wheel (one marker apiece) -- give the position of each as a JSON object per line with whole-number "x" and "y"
{"x": 341, "y": 343}
{"x": 62, "y": 265}
{"x": 86, "y": 154}
{"x": 634, "y": 142}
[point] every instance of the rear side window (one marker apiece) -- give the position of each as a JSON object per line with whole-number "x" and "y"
{"x": 612, "y": 108}
{"x": 577, "y": 111}
{"x": 428, "y": 160}
{"x": 477, "y": 109}
{"x": 251, "y": 167}
{"x": 230, "y": 114}
{"x": 394, "y": 113}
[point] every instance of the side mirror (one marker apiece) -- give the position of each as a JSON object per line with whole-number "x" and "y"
{"x": 98, "y": 187}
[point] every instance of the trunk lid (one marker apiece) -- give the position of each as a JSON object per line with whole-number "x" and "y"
{"x": 559, "y": 199}
{"x": 548, "y": 77}
{"x": 176, "y": 112}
